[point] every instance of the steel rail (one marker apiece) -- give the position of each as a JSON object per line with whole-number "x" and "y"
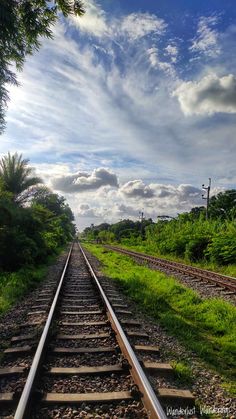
{"x": 149, "y": 398}
{"x": 214, "y": 277}
{"x": 25, "y": 398}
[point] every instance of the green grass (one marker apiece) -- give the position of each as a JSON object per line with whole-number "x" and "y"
{"x": 15, "y": 285}
{"x": 208, "y": 327}
{"x": 229, "y": 270}
{"x": 182, "y": 372}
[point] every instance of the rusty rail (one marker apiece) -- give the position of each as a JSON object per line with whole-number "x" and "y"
{"x": 205, "y": 275}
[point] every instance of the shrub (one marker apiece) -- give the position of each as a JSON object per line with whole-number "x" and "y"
{"x": 195, "y": 248}
{"x": 222, "y": 249}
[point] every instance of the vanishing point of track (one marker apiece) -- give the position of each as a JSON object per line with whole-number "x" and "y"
{"x": 223, "y": 281}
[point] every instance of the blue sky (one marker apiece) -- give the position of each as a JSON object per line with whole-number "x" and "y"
{"x": 131, "y": 107}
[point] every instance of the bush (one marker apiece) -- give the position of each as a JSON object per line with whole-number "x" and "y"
{"x": 195, "y": 248}
{"x": 222, "y": 249}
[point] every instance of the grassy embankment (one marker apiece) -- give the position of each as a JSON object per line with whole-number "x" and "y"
{"x": 15, "y": 285}
{"x": 144, "y": 248}
{"x": 208, "y": 327}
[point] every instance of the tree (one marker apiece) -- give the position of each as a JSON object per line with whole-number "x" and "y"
{"x": 22, "y": 24}
{"x": 61, "y": 220}
{"x": 15, "y": 176}
{"x": 223, "y": 205}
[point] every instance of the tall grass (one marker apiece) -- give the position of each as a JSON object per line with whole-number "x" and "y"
{"x": 207, "y": 327}
{"x": 14, "y": 285}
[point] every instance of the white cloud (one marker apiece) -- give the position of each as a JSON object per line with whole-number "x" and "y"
{"x": 83, "y": 181}
{"x": 172, "y": 50}
{"x": 206, "y": 40}
{"x": 137, "y": 25}
{"x": 113, "y": 205}
{"x": 136, "y": 189}
{"x": 94, "y": 21}
{"x": 156, "y": 62}
{"x": 133, "y": 26}
{"x": 166, "y": 200}
{"x": 87, "y": 212}
{"x": 210, "y": 95}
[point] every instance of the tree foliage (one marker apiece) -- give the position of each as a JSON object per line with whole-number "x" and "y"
{"x": 29, "y": 234}
{"x": 223, "y": 205}
{"x": 22, "y": 24}
{"x": 123, "y": 230}
{"x": 15, "y": 176}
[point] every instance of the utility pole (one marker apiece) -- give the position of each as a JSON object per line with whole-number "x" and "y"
{"x": 207, "y": 189}
{"x": 141, "y": 215}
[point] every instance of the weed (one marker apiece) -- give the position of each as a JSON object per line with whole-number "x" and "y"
{"x": 183, "y": 372}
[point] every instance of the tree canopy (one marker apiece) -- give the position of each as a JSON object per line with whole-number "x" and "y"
{"x": 223, "y": 205}
{"x": 15, "y": 176}
{"x": 29, "y": 233}
{"x": 22, "y": 24}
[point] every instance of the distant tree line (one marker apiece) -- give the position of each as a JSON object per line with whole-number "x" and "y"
{"x": 34, "y": 221}
{"x": 189, "y": 235}
{"x": 120, "y": 231}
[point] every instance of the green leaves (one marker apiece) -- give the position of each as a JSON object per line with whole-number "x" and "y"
{"x": 222, "y": 249}
{"x": 15, "y": 176}
{"x": 22, "y": 24}
{"x": 28, "y": 234}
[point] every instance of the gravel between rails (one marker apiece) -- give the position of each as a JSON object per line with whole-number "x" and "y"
{"x": 70, "y": 330}
{"x": 87, "y": 383}
{"x": 85, "y": 343}
{"x": 206, "y": 383}
{"x": 83, "y": 360}
{"x": 132, "y": 410}
{"x": 12, "y": 384}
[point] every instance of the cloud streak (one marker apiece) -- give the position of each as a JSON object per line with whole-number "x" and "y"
{"x": 206, "y": 41}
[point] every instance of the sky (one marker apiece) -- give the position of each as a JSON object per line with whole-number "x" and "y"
{"x": 131, "y": 107}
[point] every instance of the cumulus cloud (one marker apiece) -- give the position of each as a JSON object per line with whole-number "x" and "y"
{"x": 210, "y": 95}
{"x": 165, "y": 199}
{"x": 206, "y": 40}
{"x": 174, "y": 197}
{"x": 137, "y": 189}
{"x": 87, "y": 212}
{"x": 83, "y": 181}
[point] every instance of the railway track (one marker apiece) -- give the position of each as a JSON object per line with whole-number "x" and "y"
{"x": 226, "y": 282}
{"x": 89, "y": 357}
